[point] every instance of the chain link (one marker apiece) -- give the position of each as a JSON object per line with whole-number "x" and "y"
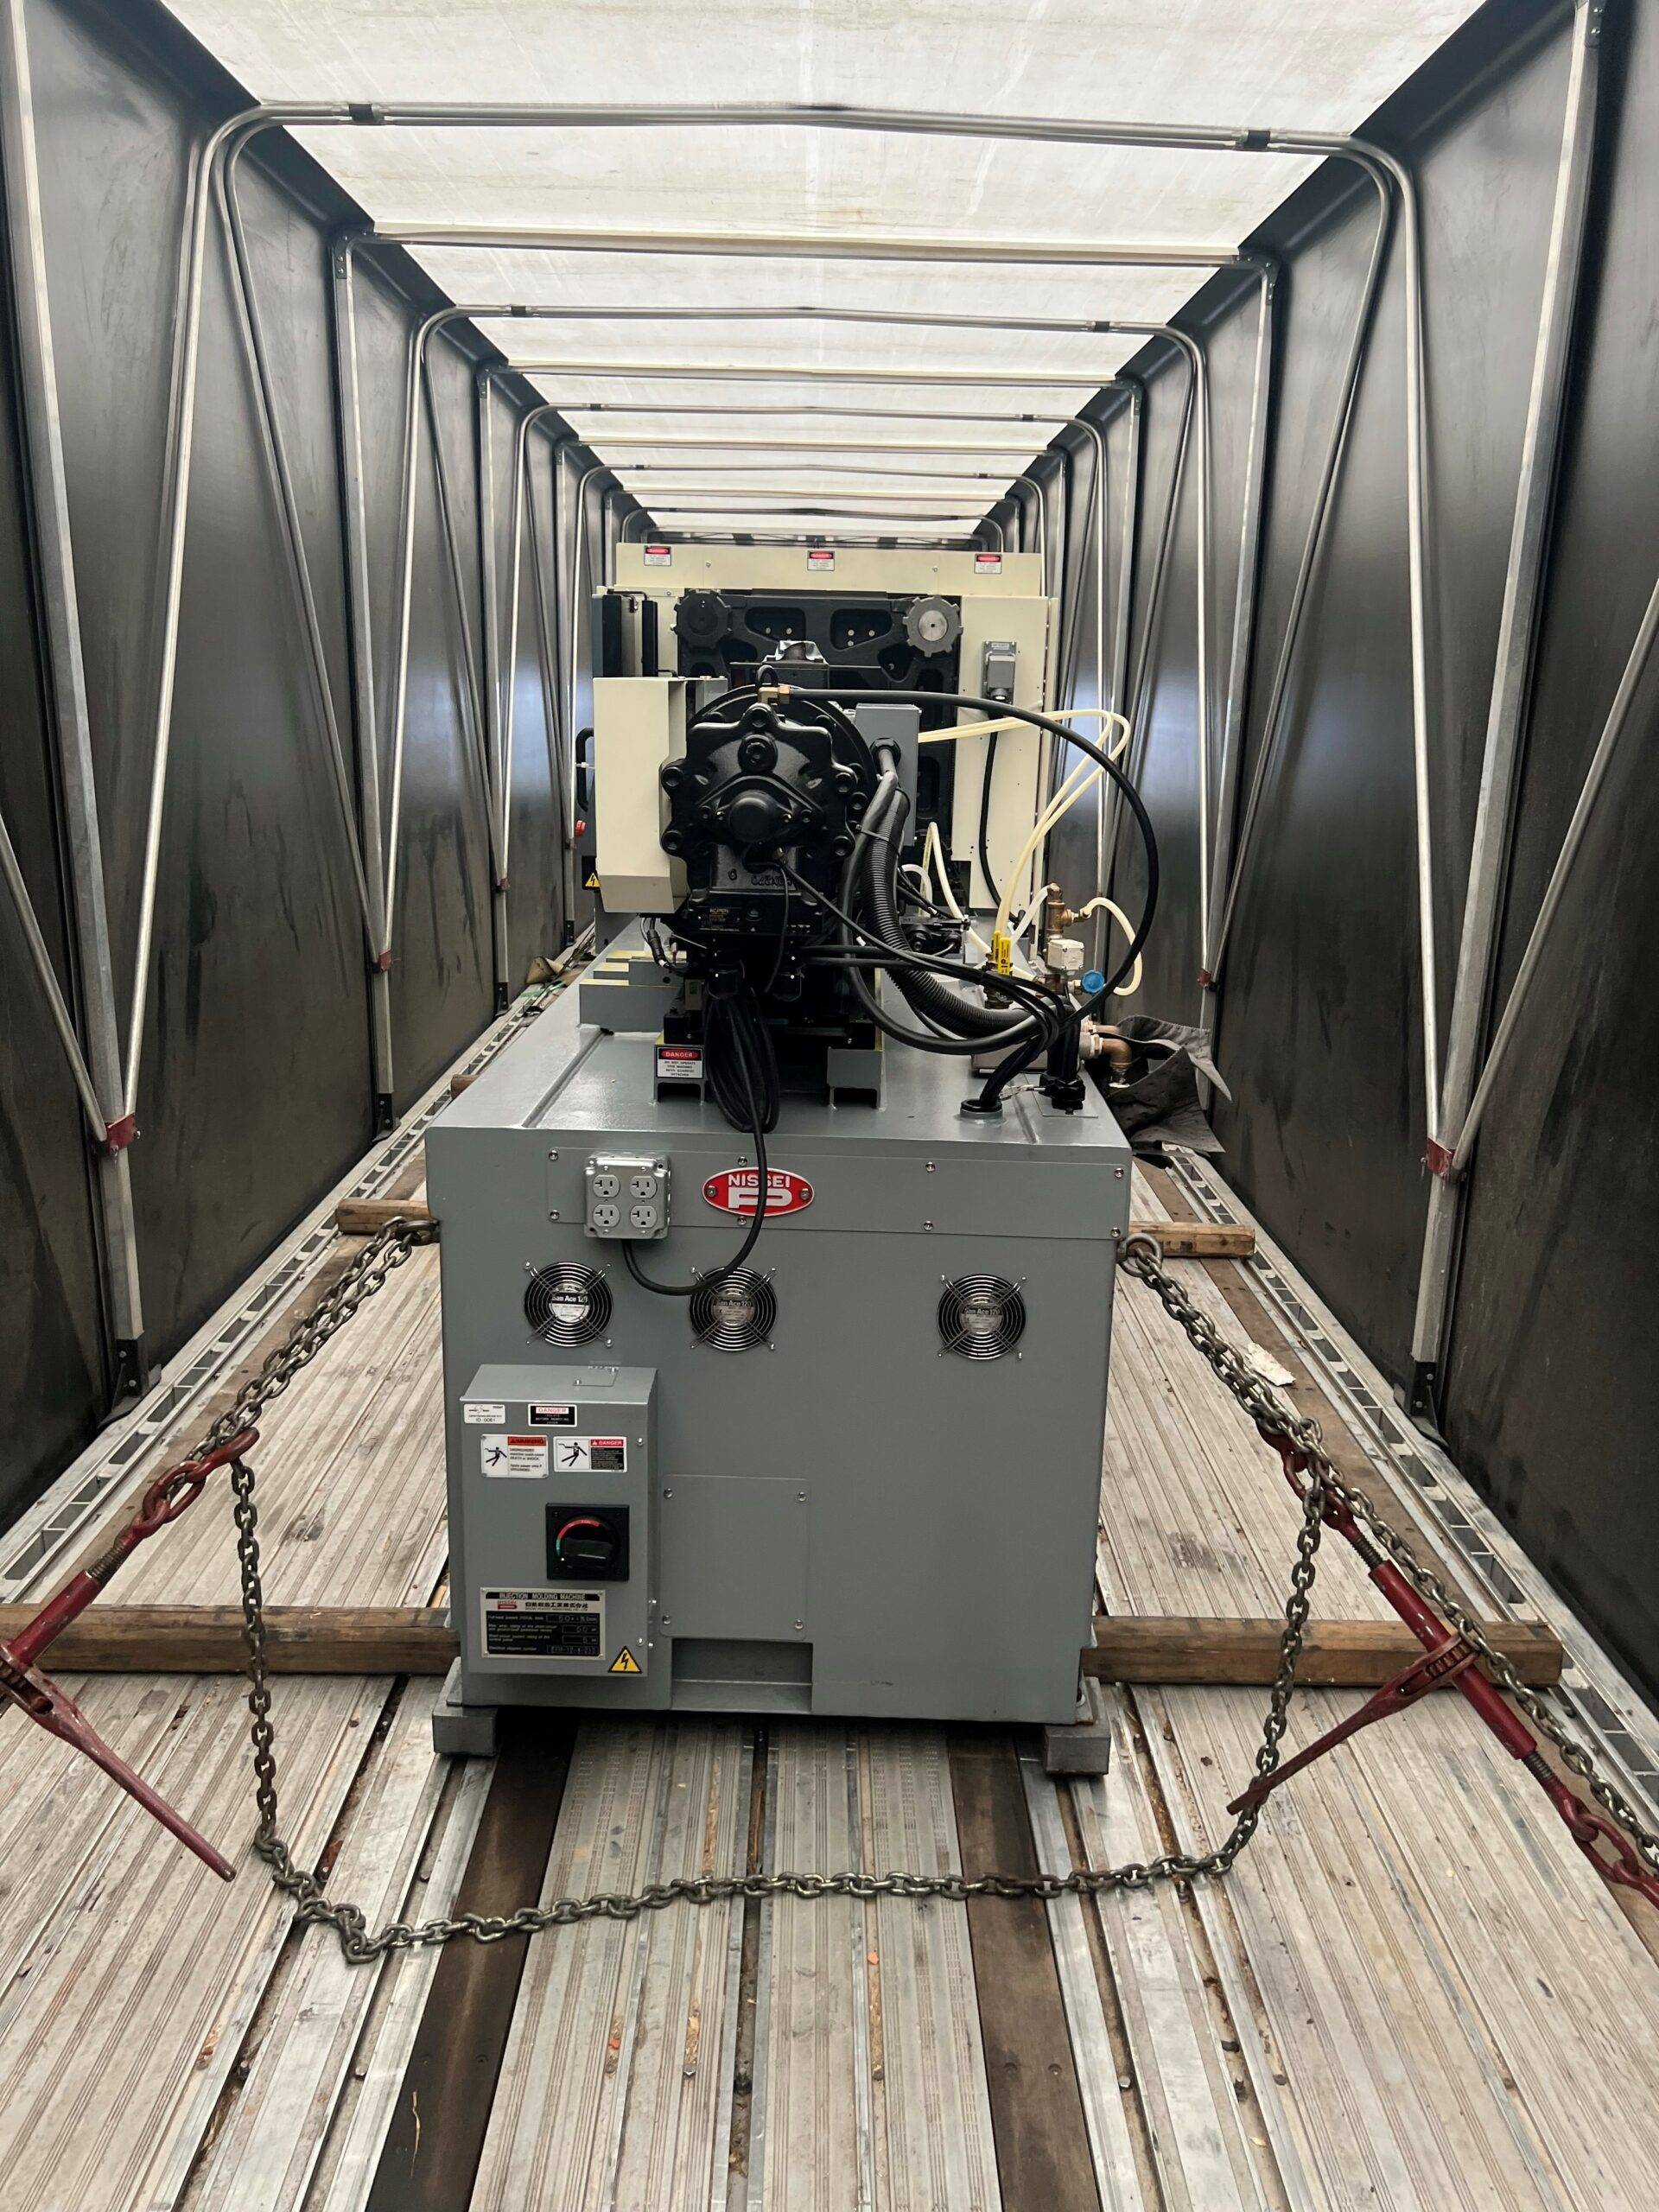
{"x": 1141, "y": 1258}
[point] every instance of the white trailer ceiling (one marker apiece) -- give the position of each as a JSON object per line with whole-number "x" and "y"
{"x": 1306, "y": 65}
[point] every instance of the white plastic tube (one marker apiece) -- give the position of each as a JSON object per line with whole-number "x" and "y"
{"x": 1080, "y": 781}
{"x": 1131, "y": 983}
{"x": 933, "y": 858}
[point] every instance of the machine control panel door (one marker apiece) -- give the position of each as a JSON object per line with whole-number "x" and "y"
{"x": 557, "y": 1541}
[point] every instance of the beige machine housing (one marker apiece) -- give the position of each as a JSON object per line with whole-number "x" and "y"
{"x": 638, "y": 723}
{"x": 1000, "y": 600}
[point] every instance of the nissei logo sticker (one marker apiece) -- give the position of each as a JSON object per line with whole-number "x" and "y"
{"x": 736, "y": 1189}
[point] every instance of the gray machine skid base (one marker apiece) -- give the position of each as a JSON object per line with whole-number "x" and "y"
{"x": 1083, "y": 1745}
{"x": 465, "y": 1732}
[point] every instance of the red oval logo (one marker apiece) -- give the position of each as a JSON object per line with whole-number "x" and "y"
{"x": 736, "y": 1189}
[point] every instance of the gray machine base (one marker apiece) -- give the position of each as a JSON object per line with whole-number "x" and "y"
{"x": 463, "y": 1732}
{"x": 1083, "y": 1745}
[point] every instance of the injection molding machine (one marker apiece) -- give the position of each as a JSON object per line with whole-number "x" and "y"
{"x": 778, "y": 1257}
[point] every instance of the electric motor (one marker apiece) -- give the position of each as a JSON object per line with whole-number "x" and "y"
{"x": 766, "y": 791}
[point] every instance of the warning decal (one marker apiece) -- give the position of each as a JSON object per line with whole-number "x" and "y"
{"x": 625, "y": 1662}
{"x": 987, "y": 564}
{"x": 554, "y": 1416}
{"x": 524, "y": 1456}
{"x": 659, "y": 556}
{"x": 544, "y": 1623}
{"x": 590, "y": 1455}
{"x": 592, "y": 883}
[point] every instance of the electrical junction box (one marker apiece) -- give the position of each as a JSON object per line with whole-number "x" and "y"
{"x": 628, "y": 1199}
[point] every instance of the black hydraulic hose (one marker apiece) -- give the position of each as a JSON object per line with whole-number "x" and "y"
{"x": 889, "y": 934}
{"x": 985, "y": 817}
{"x": 900, "y": 957}
{"x": 759, "y": 1119}
{"x": 1022, "y": 1057}
{"x": 923, "y": 1041}
{"x": 894, "y": 960}
{"x": 933, "y": 1000}
{"x": 1096, "y": 753}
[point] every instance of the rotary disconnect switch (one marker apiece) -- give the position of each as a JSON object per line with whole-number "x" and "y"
{"x": 587, "y": 1543}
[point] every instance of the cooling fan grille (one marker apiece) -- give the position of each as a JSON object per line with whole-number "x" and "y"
{"x": 734, "y": 1312}
{"x": 981, "y": 1317}
{"x": 568, "y": 1305}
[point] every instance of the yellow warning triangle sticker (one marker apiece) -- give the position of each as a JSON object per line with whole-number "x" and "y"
{"x": 592, "y": 884}
{"x": 625, "y": 1662}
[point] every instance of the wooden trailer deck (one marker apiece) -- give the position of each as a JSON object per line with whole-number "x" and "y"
{"x": 1411, "y": 1993}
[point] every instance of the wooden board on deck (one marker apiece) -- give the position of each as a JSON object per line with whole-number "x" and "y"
{"x": 419, "y": 1640}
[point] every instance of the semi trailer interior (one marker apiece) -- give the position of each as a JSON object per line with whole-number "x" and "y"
{"x": 828, "y": 1164}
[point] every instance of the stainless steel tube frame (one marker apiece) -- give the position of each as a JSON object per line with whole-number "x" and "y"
{"x": 1385, "y": 172}
{"x": 96, "y": 1069}
{"x": 1595, "y": 776}
{"x": 349, "y": 404}
{"x": 1252, "y": 524}
{"x": 1307, "y": 564}
{"x": 640, "y": 515}
{"x": 1507, "y": 707}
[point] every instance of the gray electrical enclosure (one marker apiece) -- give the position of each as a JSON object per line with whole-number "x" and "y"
{"x": 861, "y": 1478}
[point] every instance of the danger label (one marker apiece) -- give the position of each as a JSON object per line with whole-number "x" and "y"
{"x": 522, "y": 1457}
{"x": 625, "y": 1662}
{"x": 554, "y": 1416}
{"x": 544, "y": 1623}
{"x": 987, "y": 564}
{"x": 659, "y": 556}
{"x": 590, "y": 1455}
{"x": 679, "y": 1063}
{"x": 820, "y": 557}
